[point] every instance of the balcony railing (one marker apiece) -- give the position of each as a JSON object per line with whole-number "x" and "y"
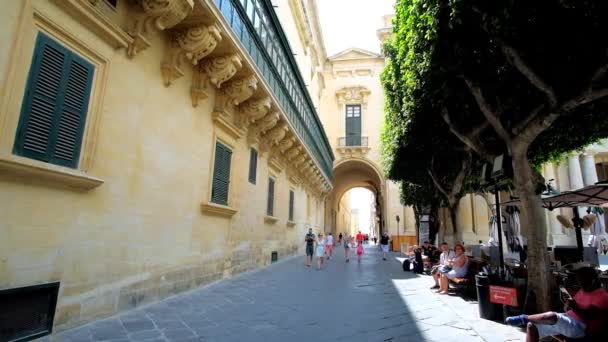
{"x": 256, "y": 25}
{"x": 352, "y": 141}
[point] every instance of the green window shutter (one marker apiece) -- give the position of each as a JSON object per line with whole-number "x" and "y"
{"x": 291, "y": 203}
{"x": 270, "y": 206}
{"x": 253, "y": 165}
{"x": 55, "y": 105}
{"x": 353, "y": 125}
{"x": 221, "y": 174}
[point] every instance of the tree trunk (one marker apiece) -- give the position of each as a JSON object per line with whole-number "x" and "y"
{"x": 533, "y": 226}
{"x": 453, "y": 209}
{"x": 433, "y": 223}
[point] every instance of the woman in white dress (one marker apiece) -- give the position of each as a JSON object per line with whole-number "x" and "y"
{"x": 320, "y": 250}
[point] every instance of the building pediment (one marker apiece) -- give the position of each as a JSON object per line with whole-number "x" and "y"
{"x": 354, "y": 53}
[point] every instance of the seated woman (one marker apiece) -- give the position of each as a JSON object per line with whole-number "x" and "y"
{"x": 460, "y": 266}
{"x": 586, "y": 314}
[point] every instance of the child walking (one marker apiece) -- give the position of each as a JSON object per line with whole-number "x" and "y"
{"x": 359, "y": 251}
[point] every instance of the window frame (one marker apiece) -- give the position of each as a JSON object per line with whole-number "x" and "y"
{"x": 253, "y": 165}
{"x": 213, "y": 176}
{"x": 271, "y": 200}
{"x": 292, "y": 205}
{"x": 30, "y": 24}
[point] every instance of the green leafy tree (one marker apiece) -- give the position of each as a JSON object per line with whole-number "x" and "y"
{"x": 518, "y": 77}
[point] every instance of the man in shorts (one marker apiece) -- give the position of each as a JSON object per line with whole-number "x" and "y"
{"x": 310, "y": 246}
{"x": 384, "y": 245}
{"x": 586, "y": 314}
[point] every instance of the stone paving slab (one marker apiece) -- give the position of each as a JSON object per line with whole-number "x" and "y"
{"x": 371, "y": 301}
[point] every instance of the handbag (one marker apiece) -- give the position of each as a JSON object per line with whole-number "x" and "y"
{"x": 444, "y": 269}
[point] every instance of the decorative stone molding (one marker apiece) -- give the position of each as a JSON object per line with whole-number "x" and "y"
{"x": 275, "y": 165}
{"x": 221, "y": 69}
{"x": 348, "y": 152}
{"x": 293, "y": 152}
{"x": 299, "y": 160}
{"x": 93, "y": 19}
{"x": 191, "y": 44}
{"x": 198, "y": 89}
{"x": 253, "y": 110}
{"x": 273, "y": 137}
{"x": 240, "y": 89}
{"x": 218, "y": 210}
{"x": 270, "y": 219}
{"x": 155, "y": 14}
{"x": 287, "y": 142}
{"x": 262, "y": 125}
{"x": 233, "y": 93}
{"x": 353, "y": 95}
{"x": 222, "y": 120}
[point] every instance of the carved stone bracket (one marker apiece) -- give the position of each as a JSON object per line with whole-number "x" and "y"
{"x": 232, "y": 93}
{"x": 221, "y": 69}
{"x": 198, "y": 90}
{"x": 273, "y": 137}
{"x": 293, "y": 152}
{"x": 353, "y": 95}
{"x": 287, "y": 142}
{"x": 261, "y": 126}
{"x": 253, "y": 110}
{"x": 240, "y": 89}
{"x": 191, "y": 44}
{"x": 155, "y": 14}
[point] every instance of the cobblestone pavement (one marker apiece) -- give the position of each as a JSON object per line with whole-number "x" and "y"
{"x": 371, "y": 301}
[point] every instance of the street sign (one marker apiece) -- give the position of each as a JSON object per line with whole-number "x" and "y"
{"x": 503, "y": 295}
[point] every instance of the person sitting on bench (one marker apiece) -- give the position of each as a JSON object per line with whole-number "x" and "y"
{"x": 586, "y": 314}
{"x": 460, "y": 266}
{"x": 442, "y": 267}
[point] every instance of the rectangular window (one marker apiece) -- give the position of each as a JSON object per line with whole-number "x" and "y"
{"x": 253, "y": 165}
{"x": 221, "y": 174}
{"x": 54, "y": 109}
{"x": 270, "y": 204}
{"x": 291, "y": 203}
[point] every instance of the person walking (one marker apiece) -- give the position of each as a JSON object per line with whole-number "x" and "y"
{"x": 340, "y": 239}
{"x": 329, "y": 245}
{"x": 320, "y": 250}
{"x": 384, "y": 245}
{"x": 310, "y": 246}
{"x": 346, "y": 244}
{"x": 359, "y": 237}
{"x": 359, "y": 251}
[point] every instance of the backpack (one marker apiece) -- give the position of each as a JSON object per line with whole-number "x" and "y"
{"x": 406, "y": 265}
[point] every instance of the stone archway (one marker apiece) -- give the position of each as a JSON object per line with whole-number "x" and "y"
{"x": 355, "y": 173}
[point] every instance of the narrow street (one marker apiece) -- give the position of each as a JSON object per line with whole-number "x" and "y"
{"x": 371, "y": 301}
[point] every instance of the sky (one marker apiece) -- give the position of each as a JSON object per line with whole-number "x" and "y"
{"x": 352, "y": 23}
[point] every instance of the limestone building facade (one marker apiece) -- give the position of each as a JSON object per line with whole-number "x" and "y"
{"x": 151, "y": 146}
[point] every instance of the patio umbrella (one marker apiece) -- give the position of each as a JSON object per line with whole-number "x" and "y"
{"x": 590, "y": 196}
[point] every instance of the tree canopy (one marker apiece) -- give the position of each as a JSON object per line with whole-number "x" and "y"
{"x": 517, "y": 77}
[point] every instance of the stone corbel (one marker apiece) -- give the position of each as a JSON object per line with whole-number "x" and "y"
{"x": 262, "y": 125}
{"x": 192, "y": 45}
{"x": 253, "y": 110}
{"x": 232, "y": 94}
{"x": 287, "y": 142}
{"x": 273, "y": 136}
{"x": 198, "y": 89}
{"x": 155, "y": 14}
{"x": 221, "y": 69}
{"x": 293, "y": 152}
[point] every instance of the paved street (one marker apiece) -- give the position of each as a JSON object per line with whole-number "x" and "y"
{"x": 371, "y": 301}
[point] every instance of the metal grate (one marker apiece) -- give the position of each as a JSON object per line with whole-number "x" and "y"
{"x": 27, "y": 313}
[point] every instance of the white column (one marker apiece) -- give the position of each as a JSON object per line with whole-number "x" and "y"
{"x": 574, "y": 172}
{"x": 589, "y": 170}
{"x": 576, "y": 176}
{"x": 556, "y": 227}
